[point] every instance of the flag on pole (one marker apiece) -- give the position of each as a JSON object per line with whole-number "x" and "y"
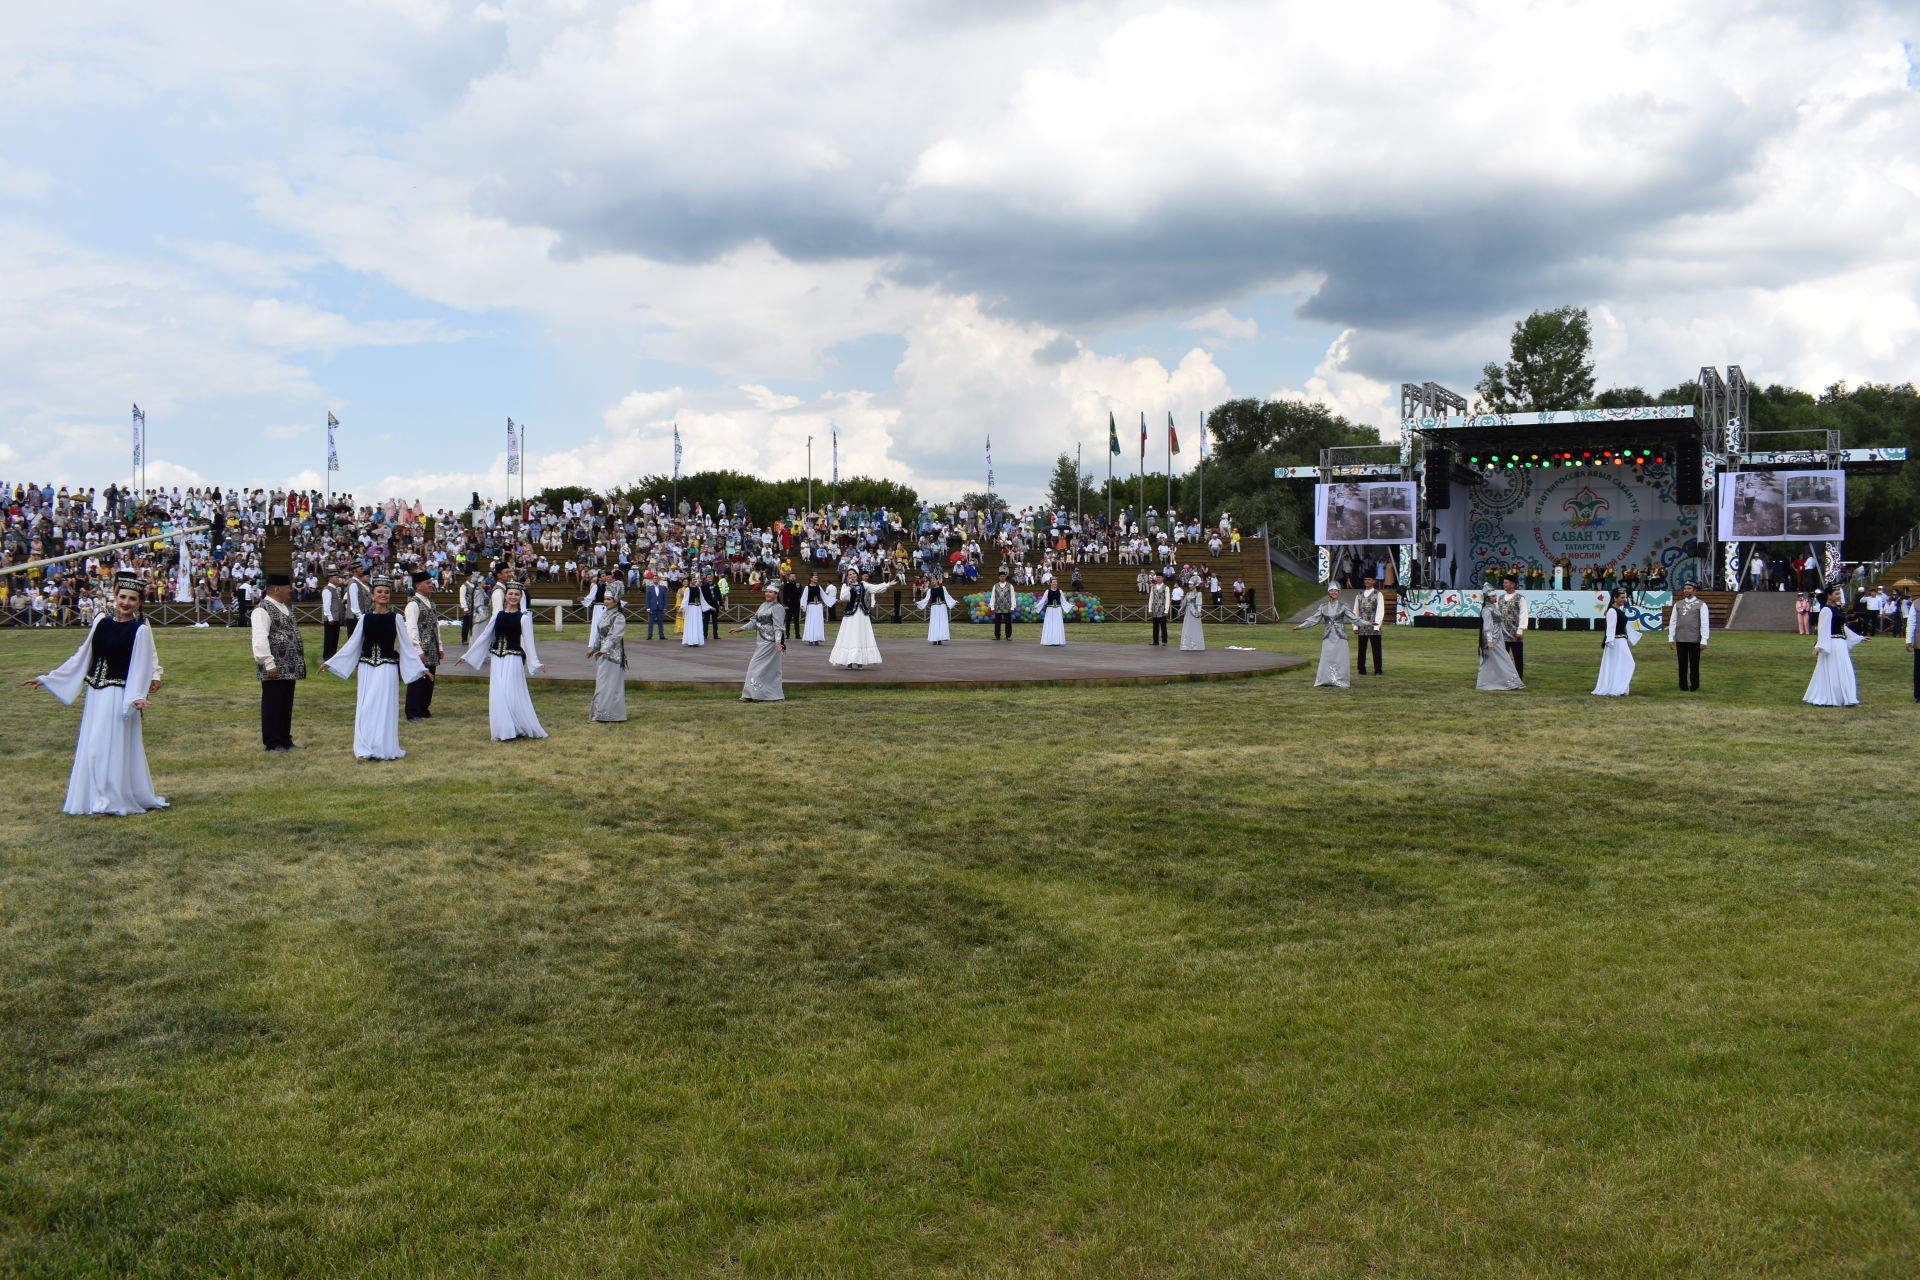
{"x": 139, "y": 434}
{"x": 513, "y": 449}
{"x": 1173, "y": 437}
{"x": 1143, "y": 435}
{"x": 835, "y": 433}
{"x": 1113, "y": 433}
{"x": 989, "y": 464}
{"x": 333, "y": 453}
{"x": 676, "y": 451}
{"x": 1203, "y": 437}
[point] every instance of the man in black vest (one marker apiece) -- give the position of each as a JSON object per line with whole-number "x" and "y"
{"x": 1002, "y": 601}
{"x": 333, "y": 607}
{"x": 424, "y": 624}
{"x": 710, "y": 592}
{"x": 279, "y": 659}
{"x": 790, "y": 601}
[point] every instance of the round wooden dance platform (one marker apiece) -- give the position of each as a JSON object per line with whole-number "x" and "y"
{"x": 958, "y": 664}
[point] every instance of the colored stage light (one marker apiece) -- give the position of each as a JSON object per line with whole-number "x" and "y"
{"x": 1586, "y": 455}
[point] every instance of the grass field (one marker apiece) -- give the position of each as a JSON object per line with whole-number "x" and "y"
{"x": 1235, "y": 979}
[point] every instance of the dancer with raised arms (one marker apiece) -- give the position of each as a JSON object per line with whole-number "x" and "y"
{"x": 507, "y": 642}
{"x": 119, "y": 669}
{"x": 693, "y": 607}
{"x": 1053, "y": 613}
{"x": 769, "y": 625}
{"x": 855, "y": 646}
{"x": 380, "y": 656}
{"x": 1332, "y": 614}
{"x": 813, "y": 603}
{"x": 938, "y": 602}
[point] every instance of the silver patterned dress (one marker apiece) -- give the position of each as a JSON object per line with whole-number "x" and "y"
{"x": 610, "y": 669}
{"x": 1498, "y": 624}
{"x": 763, "y": 672}
{"x": 1336, "y": 664}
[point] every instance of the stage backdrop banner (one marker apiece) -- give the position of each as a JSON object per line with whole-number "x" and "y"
{"x": 1594, "y": 517}
{"x": 1773, "y": 506}
{"x": 1363, "y": 515}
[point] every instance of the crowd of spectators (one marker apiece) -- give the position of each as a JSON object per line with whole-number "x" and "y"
{"x": 216, "y": 570}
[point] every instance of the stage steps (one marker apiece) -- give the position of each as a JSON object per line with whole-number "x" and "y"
{"x": 1761, "y": 611}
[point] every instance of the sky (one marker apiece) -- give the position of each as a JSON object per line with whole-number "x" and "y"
{"x": 922, "y": 224}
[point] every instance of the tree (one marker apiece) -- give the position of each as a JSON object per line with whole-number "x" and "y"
{"x": 1549, "y": 365}
{"x": 1069, "y": 484}
{"x": 1251, "y": 438}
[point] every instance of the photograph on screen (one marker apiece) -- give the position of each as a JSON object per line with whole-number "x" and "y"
{"x": 1390, "y": 497}
{"x": 1390, "y": 526}
{"x": 1814, "y": 520}
{"x": 1759, "y": 506}
{"x": 1346, "y": 513}
{"x": 1821, "y": 490}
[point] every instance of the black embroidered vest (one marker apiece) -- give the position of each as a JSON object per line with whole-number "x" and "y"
{"x": 378, "y": 645}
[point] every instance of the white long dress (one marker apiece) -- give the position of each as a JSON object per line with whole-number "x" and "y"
{"x": 1833, "y": 683}
{"x": 815, "y": 630}
{"x": 1192, "y": 638}
{"x": 935, "y": 602}
{"x": 1336, "y": 664}
{"x": 1053, "y": 613}
{"x": 510, "y": 711}
{"x": 1616, "y": 659}
{"x": 694, "y": 605}
{"x": 376, "y": 710}
{"x": 110, "y": 756}
{"x": 856, "y": 645}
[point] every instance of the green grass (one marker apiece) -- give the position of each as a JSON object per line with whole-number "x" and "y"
{"x": 1227, "y": 979}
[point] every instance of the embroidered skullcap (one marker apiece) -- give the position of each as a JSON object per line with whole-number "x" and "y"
{"x": 380, "y": 580}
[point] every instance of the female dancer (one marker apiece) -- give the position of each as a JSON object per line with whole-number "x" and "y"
{"x": 1833, "y": 683}
{"x": 1499, "y": 622}
{"x": 1192, "y": 638}
{"x": 608, "y": 644}
{"x": 117, "y": 666}
{"x": 937, "y": 602}
{"x": 508, "y": 641}
{"x": 1053, "y": 613}
{"x": 693, "y": 611}
{"x": 1336, "y": 664}
{"x": 769, "y": 625}
{"x": 855, "y": 646}
{"x": 381, "y": 656}
{"x": 1616, "y": 651}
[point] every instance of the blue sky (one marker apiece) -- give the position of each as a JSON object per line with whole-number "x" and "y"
{"x": 921, "y": 223}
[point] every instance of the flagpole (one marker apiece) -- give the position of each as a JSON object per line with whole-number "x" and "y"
{"x": 523, "y": 479}
{"x": 1079, "y": 512}
{"x": 809, "y": 475}
{"x": 1203, "y": 473}
{"x": 1170, "y": 470}
{"x": 1111, "y": 441}
{"x": 1140, "y": 490}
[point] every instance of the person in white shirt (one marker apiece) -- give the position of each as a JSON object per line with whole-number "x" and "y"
{"x": 1913, "y": 626}
{"x": 280, "y": 659}
{"x": 1370, "y": 607}
{"x": 1689, "y": 628}
{"x": 1514, "y": 609}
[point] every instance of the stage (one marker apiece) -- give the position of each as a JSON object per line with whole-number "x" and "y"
{"x": 721, "y": 665}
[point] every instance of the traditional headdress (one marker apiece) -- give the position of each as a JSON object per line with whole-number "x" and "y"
{"x": 279, "y": 580}
{"x": 420, "y": 576}
{"x": 380, "y": 580}
{"x": 129, "y": 582}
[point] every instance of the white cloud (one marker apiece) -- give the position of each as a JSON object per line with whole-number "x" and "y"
{"x": 1224, "y": 326}
{"x": 1352, "y": 395}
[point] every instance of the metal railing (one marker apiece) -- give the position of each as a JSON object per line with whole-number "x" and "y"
{"x": 1871, "y": 570}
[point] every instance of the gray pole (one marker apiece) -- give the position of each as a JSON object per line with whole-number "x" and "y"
{"x": 1078, "y": 504}
{"x": 1201, "y": 467}
{"x": 809, "y": 473}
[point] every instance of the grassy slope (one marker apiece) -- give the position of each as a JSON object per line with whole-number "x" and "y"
{"x": 1245, "y": 978}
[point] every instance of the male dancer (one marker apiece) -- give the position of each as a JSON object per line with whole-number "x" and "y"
{"x": 1688, "y": 630}
{"x": 1371, "y": 608}
{"x": 1913, "y": 619}
{"x": 424, "y": 624}
{"x": 333, "y": 607}
{"x": 790, "y": 601}
{"x": 1159, "y": 597}
{"x": 711, "y": 593}
{"x": 1513, "y": 611}
{"x": 1001, "y": 604}
{"x": 359, "y": 596}
{"x": 279, "y": 659}
{"x": 658, "y": 597}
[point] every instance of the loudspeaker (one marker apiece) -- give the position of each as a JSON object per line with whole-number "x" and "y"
{"x": 1688, "y": 473}
{"x": 1439, "y": 479}
{"x": 1439, "y": 551}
